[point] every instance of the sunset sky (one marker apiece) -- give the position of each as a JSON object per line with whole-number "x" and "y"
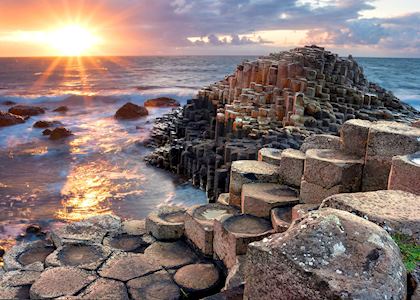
{"x": 215, "y": 27}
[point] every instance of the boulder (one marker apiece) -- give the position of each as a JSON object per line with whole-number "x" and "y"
{"x": 61, "y": 109}
{"x": 167, "y": 223}
{"x": 46, "y": 124}
{"x": 59, "y": 133}
{"x": 197, "y": 279}
{"x": 405, "y": 173}
{"x": 8, "y": 119}
{"x": 158, "y": 285}
{"x": 329, "y": 254}
{"x": 131, "y": 111}
{"x": 395, "y": 211}
{"x": 161, "y": 102}
{"x": 26, "y": 110}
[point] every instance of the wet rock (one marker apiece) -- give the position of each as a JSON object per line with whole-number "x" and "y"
{"x": 33, "y": 229}
{"x": 61, "y": 109}
{"x": 25, "y": 254}
{"x": 80, "y": 255}
{"x": 321, "y": 141}
{"x": 330, "y": 254}
{"x": 61, "y": 281}
{"x": 166, "y": 223}
{"x": 105, "y": 289}
{"x": 8, "y": 119}
{"x": 126, "y": 242}
{"x": 405, "y": 173}
{"x": 47, "y": 132}
{"x": 46, "y": 124}
{"x": 60, "y": 133}
{"x": 161, "y": 102}
{"x": 131, "y": 111}
{"x": 158, "y": 285}
{"x": 197, "y": 279}
{"x": 26, "y": 110}
{"x": 8, "y": 102}
{"x": 395, "y": 211}
{"x": 171, "y": 255}
{"x": 126, "y": 266}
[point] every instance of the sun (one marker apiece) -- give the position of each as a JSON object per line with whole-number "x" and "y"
{"x": 73, "y": 40}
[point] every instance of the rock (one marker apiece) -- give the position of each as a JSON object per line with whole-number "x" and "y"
{"x": 20, "y": 292}
{"x": 161, "y": 102}
{"x": 8, "y": 119}
{"x": 259, "y": 198}
{"x": 388, "y": 209}
{"x": 134, "y": 227}
{"x": 61, "y": 281}
{"x": 171, "y": 255}
{"x": 223, "y": 199}
{"x": 354, "y": 136}
{"x": 281, "y": 217}
{"x": 232, "y": 234}
{"x": 84, "y": 256}
{"x": 249, "y": 171}
{"x": 236, "y": 275}
{"x": 321, "y": 141}
{"x": 127, "y": 242}
{"x": 33, "y": 229}
{"x": 330, "y": 254}
{"x": 199, "y": 222}
{"x": 158, "y": 285}
{"x": 197, "y": 279}
{"x": 167, "y": 223}
{"x": 61, "y": 109}
{"x": 46, "y": 124}
{"x": 25, "y": 254}
{"x": 405, "y": 173}
{"x": 291, "y": 167}
{"x": 26, "y": 110}
{"x": 270, "y": 155}
{"x": 126, "y": 266}
{"x": 131, "y": 111}
{"x": 386, "y": 139}
{"x": 47, "y": 132}
{"x": 105, "y": 289}
{"x": 8, "y": 102}
{"x": 18, "y": 278}
{"x": 60, "y": 133}
{"x": 298, "y": 211}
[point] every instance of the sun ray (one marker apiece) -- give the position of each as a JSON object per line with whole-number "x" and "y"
{"x": 46, "y": 74}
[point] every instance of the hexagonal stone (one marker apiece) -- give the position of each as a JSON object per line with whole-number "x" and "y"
{"x": 167, "y": 223}
{"x": 171, "y": 255}
{"x": 232, "y": 234}
{"x": 26, "y": 254}
{"x": 354, "y": 135}
{"x": 105, "y": 289}
{"x": 330, "y": 254}
{"x": 281, "y": 218}
{"x": 311, "y": 193}
{"x": 18, "y": 278}
{"x": 249, "y": 171}
{"x": 82, "y": 255}
{"x": 197, "y": 279}
{"x": 19, "y": 292}
{"x": 386, "y": 140}
{"x": 134, "y": 227}
{"x": 126, "y": 266}
{"x": 270, "y": 155}
{"x": 259, "y": 198}
{"x": 395, "y": 211}
{"x": 127, "y": 242}
{"x": 61, "y": 281}
{"x": 199, "y": 221}
{"x": 158, "y": 285}
{"x": 320, "y": 141}
{"x": 291, "y": 167}
{"x": 405, "y": 173}
{"x": 223, "y": 199}
{"x": 91, "y": 230}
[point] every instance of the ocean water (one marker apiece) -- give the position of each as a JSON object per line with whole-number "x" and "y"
{"x": 100, "y": 169}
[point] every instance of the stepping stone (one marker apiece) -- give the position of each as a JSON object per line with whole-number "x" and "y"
{"x": 249, "y": 171}
{"x": 167, "y": 223}
{"x": 61, "y": 281}
{"x": 126, "y": 266}
{"x": 354, "y": 135}
{"x": 281, "y": 218}
{"x": 270, "y": 155}
{"x": 259, "y": 198}
{"x": 320, "y": 141}
{"x": 199, "y": 223}
{"x": 291, "y": 167}
{"x": 84, "y": 256}
{"x": 17, "y": 279}
{"x": 197, "y": 279}
{"x": 26, "y": 254}
{"x": 171, "y": 255}
{"x": 405, "y": 173}
{"x": 298, "y": 211}
{"x": 134, "y": 227}
{"x": 127, "y": 242}
{"x": 105, "y": 289}
{"x": 349, "y": 256}
{"x": 328, "y": 172}
{"x": 232, "y": 234}
{"x": 158, "y": 285}
{"x": 386, "y": 140}
{"x": 92, "y": 230}
{"x": 395, "y": 211}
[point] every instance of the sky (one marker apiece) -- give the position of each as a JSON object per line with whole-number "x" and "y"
{"x": 379, "y": 28}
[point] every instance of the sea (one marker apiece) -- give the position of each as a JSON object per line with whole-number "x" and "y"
{"x": 100, "y": 169}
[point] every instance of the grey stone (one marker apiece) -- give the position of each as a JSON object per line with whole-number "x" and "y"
{"x": 158, "y": 285}
{"x": 270, "y": 155}
{"x": 105, "y": 289}
{"x": 197, "y": 279}
{"x": 320, "y": 141}
{"x": 26, "y": 254}
{"x": 167, "y": 223}
{"x": 171, "y": 255}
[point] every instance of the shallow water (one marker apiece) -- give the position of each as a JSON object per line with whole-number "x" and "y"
{"x": 100, "y": 169}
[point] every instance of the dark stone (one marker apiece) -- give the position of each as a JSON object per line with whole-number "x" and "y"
{"x": 34, "y": 229}
{"x": 8, "y": 119}
{"x": 8, "y": 102}
{"x": 59, "y": 133}
{"x": 131, "y": 111}
{"x": 161, "y": 102}
{"x": 47, "y": 132}
{"x": 26, "y": 110}
{"x": 46, "y": 124}
{"x": 61, "y": 109}
{"x": 35, "y": 254}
